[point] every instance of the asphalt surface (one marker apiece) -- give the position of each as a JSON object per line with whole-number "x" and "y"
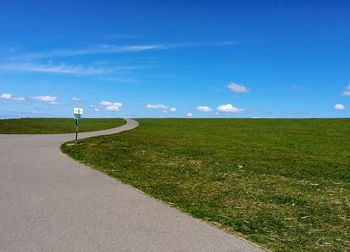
{"x": 49, "y": 202}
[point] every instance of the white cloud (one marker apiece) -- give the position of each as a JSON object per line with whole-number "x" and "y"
{"x": 157, "y": 106}
{"x": 112, "y": 108}
{"x": 105, "y": 103}
{"x": 204, "y": 109}
{"x": 347, "y": 91}
{"x": 189, "y": 115}
{"x": 49, "y": 99}
{"x": 164, "y": 108}
{"x": 75, "y": 99}
{"x": 109, "y": 106}
{"x": 237, "y": 88}
{"x": 339, "y": 106}
{"x": 6, "y": 96}
{"x": 229, "y": 108}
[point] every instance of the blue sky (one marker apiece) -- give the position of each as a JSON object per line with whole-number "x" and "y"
{"x": 175, "y": 58}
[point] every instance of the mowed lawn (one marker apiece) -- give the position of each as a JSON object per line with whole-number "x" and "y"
{"x": 283, "y": 184}
{"x": 55, "y": 125}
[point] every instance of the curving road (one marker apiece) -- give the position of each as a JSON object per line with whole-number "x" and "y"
{"x": 49, "y": 202}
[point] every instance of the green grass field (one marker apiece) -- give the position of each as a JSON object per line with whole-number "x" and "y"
{"x": 55, "y": 125}
{"x": 283, "y": 184}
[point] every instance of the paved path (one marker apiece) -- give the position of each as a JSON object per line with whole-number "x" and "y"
{"x": 49, "y": 202}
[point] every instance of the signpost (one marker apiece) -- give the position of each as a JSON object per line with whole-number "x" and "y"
{"x": 77, "y": 116}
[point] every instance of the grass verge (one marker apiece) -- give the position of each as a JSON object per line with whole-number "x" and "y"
{"x": 283, "y": 184}
{"x": 55, "y": 125}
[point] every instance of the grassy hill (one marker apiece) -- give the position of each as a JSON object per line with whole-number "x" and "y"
{"x": 283, "y": 184}
{"x": 55, "y": 125}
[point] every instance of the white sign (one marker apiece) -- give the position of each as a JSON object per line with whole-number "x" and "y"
{"x": 78, "y": 111}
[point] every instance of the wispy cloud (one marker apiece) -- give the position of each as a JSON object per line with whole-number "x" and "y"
{"x": 75, "y": 99}
{"x": 19, "y": 99}
{"x": 346, "y": 91}
{"x": 237, "y": 88}
{"x": 62, "y": 69}
{"x": 98, "y": 49}
{"x": 229, "y": 42}
{"x": 111, "y": 49}
{"x": 299, "y": 113}
{"x": 121, "y": 36}
{"x": 95, "y": 108}
{"x": 156, "y": 106}
{"x": 119, "y": 80}
{"x": 162, "y": 107}
{"x": 46, "y": 98}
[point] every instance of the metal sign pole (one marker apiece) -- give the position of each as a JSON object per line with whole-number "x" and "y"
{"x": 76, "y": 129}
{"x": 77, "y": 115}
